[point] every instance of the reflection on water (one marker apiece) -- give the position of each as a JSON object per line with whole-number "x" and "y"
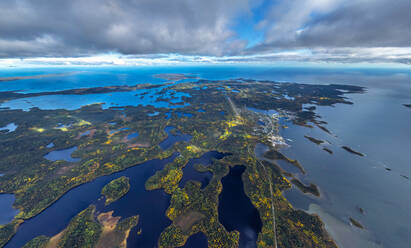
{"x": 172, "y": 139}
{"x": 62, "y": 155}
{"x": 85, "y": 133}
{"x": 182, "y": 114}
{"x": 198, "y": 240}
{"x": 132, "y": 136}
{"x": 377, "y": 125}
{"x": 259, "y": 151}
{"x": 150, "y": 205}
{"x": 344, "y": 234}
{"x": 235, "y": 210}
{"x": 349, "y": 182}
{"x": 190, "y": 173}
{"x": 7, "y": 212}
{"x": 11, "y": 127}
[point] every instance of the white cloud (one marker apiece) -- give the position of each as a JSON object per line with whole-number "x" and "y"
{"x": 315, "y": 55}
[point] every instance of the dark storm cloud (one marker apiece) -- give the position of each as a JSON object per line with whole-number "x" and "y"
{"x": 337, "y": 24}
{"x": 364, "y": 24}
{"x": 77, "y": 27}
{"x": 332, "y": 30}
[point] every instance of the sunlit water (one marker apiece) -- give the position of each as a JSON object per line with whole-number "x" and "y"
{"x": 377, "y": 125}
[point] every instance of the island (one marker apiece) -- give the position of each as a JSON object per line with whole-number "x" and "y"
{"x": 314, "y": 140}
{"x": 171, "y": 137}
{"x": 349, "y": 149}
{"x": 356, "y": 223}
{"x": 116, "y": 189}
{"x": 4, "y": 79}
{"x": 86, "y": 231}
{"x": 328, "y": 150}
{"x": 312, "y": 188}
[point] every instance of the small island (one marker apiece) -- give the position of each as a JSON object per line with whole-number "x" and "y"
{"x": 348, "y": 149}
{"x": 314, "y": 140}
{"x": 116, "y": 189}
{"x": 356, "y": 223}
{"x": 174, "y": 76}
{"x": 312, "y": 188}
{"x": 328, "y": 150}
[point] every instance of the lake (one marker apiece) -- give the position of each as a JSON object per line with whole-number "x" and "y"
{"x": 377, "y": 124}
{"x": 235, "y": 210}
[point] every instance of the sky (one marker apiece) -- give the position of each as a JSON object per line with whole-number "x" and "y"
{"x": 147, "y": 32}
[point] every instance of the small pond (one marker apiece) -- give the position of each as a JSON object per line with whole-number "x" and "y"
{"x": 172, "y": 139}
{"x": 183, "y": 114}
{"x": 64, "y": 154}
{"x": 132, "y": 136}
{"x": 11, "y": 127}
{"x": 50, "y": 145}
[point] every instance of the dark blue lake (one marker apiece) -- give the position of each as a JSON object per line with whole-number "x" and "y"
{"x": 132, "y": 136}
{"x": 377, "y": 124}
{"x": 173, "y": 138}
{"x": 198, "y": 240}
{"x": 235, "y": 210}
{"x": 150, "y": 205}
{"x": 190, "y": 173}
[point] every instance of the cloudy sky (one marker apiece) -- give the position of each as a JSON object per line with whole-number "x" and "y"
{"x": 199, "y": 31}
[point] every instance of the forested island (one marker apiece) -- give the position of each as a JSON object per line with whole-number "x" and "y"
{"x": 116, "y": 189}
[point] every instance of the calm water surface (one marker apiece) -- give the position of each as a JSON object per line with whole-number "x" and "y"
{"x": 377, "y": 125}
{"x": 235, "y": 210}
{"x": 150, "y": 205}
{"x": 64, "y": 154}
{"x": 7, "y": 211}
{"x": 190, "y": 173}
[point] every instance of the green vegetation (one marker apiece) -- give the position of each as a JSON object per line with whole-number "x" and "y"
{"x": 328, "y": 150}
{"x": 82, "y": 231}
{"x": 38, "y": 242}
{"x": 312, "y": 188}
{"x": 8, "y": 230}
{"x": 115, "y": 232}
{"x": 115, "y": 189}
{"x": 85, "y": 231}
{"x": 276, "y": 155}
{"x": 38, "y": 182}
{"x": 314, "y": 140}
{"x": 356, "y": 223}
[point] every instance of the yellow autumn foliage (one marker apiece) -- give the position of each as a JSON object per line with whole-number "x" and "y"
{"x": 38, "y": 129}
{"x": 82, "y": 123}
{"x": 193, "y": 149}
